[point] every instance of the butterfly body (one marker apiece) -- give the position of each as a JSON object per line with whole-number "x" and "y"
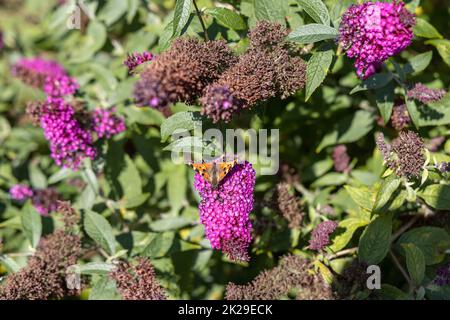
{"x": 214, "y": 172}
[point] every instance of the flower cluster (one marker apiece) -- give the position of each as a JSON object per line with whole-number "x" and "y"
{"x": 320, "y": 237}
{"x": 400, "y": 118}
{"x": 373, "y": 32}
{"x": 106, "y": 124}
{"x": 69, "y": 142}
{"x": 137, "y": 281}
{"x": 405, "y": 155}
{"x": 44, "y": 277}
{"x": 443, "y": 275}
{"x": 44, "y": 200}
{"x": 224, "y": 211}
{"x": 20, "y": 192}
{"x": 181, "y": 73}
{"x": 341, "y": 160}
{"x": 268, "y": 69}
{"x": 47, "y": 75}
{"x": 135, "y": 59}
{"x": 287, "y": 205}
{"x": 426, "y": 95}
{"x": 292, "y": 274}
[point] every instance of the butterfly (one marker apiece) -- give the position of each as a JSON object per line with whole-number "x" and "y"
{"x": 214, "y": 172}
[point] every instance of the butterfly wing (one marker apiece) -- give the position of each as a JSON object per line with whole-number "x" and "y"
{"x": 206, "y": 170}
{"x": 223, "y": 169}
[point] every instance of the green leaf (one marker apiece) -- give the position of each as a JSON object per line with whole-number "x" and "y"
{"x": 330, "y": 179}
{"x": 413, "y": 112}
{"x": 376, "y": 81}
{"x": 145, "y": 116}
{"x": 31, "y": 224}
{"x": 176, "y": 187}
{"x": 443, "y": 47}
{"x": 227, "y": 18}
{"x": 317, "y": 69}
{"x": 431, "y": 241}
{"x": 435, "y": 113}
{"x": 95, "y": 268}
{"x": 38, "y": 179}
{"x": 270, "y": 10}
{"x": 425, "y": 30}
{"x": 181, "y": 121}
{"x": 160, "y": 245}
{"x": 104, "y": 289}
{"x": 112, "y": 11}
{"x": 418, "y": 63}
{"x": 385, "y": 101}
{"x": 317, "y": 10}
{"x": 99, "y": 229}
{"x": 387, "y": 189}
{"x": 415, "y": 261}
{"x": 181, "y": 16}
{"x": 136, "y": 201}
{"x": 376, "y": 240}
{"x": 130, "y": 179}
{"x": 186, "y": 144}
{"x": 10, "y": 265}
{"x": 363, "y": 196}
{"x": 349, "y": 129}
{"x": 342, "y": 239}
{"x": 60, "y": 175}
{"x": 389, "y": 292}
{"x": 173, "y": 223}
{"x": 313, "y": 32}
{"x": 436, "y": 196}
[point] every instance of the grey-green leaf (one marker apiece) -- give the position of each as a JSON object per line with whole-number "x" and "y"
{"x": 180, "y": 121}
{"x": 376, "y": 240}
{"x": 271, "y": 10}
{"x": 387, "y": 189}
{"x": 376, "y": 81}
{"x": 317, "y": 69}
{"x": 181, "y": 15}
{"x": 31, "y": 224}
{"x": 385, "y": 101}
{"x": 418, "y": 63}
{"x": 99, "y": 229}
{"x": 228, "y": 18}
{"x": 313, "y": 32}
{"x": 415, "y": 261}
{"x": 425, "y": 30}
{"x": 317, "y": 10}
{"x": 436, "y": 196}
{"x": 349, "y": 129}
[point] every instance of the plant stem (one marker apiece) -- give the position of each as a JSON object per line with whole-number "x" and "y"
{"x": 199, "y": 15}
{"x": 342, "y": 253}
{"x": 404, "y": 228}
{"x": 402, "y": 270}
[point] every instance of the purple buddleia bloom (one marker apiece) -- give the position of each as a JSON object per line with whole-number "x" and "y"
{"x": 20, "y": 192}
{"x": 2, "y": 43}
{"x": 220, "y": 104}
{"x": 373, "y": 32}
{"x": 424, "y": 94}
{"x": 106, "y": 124}
{"x": 137, "y": 280}
{"x": 341, "y": 160}
{"x": 320, "y": 237}
{"x": 400, "y": 118}
{"x": 47, "y": 75}
{"x": 135, "y": 59}
{"x": 224, "y": 211}
{"x": 443, "y": 275}
{"x": 70, "y": 143}
{"x": 46, "y": 200}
